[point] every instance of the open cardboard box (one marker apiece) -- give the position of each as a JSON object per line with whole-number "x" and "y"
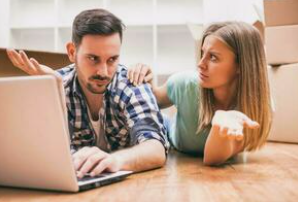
{"x": 53, "y": 60}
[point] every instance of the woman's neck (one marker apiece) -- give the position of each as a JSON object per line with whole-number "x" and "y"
{"x": 224, "y": 97}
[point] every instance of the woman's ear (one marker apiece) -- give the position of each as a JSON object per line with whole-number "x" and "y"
{"x": 71, "y": 51}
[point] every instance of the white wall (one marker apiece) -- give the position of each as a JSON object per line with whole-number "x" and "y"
{"x": 228, "y": 10}
{"x": 4, "y": 25}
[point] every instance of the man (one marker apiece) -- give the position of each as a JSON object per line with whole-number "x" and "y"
{"x": 113, "y": 125}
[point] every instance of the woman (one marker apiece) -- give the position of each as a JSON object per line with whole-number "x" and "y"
{"x": 216, "y": 104}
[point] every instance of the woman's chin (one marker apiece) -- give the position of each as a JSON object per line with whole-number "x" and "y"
{"x": 204, "y": 84}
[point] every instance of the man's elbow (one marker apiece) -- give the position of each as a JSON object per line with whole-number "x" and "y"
{"x": 158, "y": 154}
{"x": 161, "y": 158}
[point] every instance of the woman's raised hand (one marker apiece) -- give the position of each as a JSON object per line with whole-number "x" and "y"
{"x": 231, "y": 123}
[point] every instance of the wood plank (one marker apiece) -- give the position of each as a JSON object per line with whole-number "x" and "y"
{"x": 266, "y": 175}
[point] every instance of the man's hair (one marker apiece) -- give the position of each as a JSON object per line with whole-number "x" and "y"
{"x": 252, "y": 94}
{"x": 95, "y": 22}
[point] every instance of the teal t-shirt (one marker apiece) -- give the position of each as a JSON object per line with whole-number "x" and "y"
{"x": 182, "y": 90}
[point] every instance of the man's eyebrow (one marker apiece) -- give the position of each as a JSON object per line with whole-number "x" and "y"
{"x": 90, "y": 54}
{"x": 115, "y": 56}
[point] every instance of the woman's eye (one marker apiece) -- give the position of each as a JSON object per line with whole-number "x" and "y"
{"x": 213, "y": 58}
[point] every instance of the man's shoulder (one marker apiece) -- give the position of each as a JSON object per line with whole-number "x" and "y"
{"x": 64, "y": 71}
{"x": 122, "y": 87}
{"x": 120, "y": 81}
{"x": 67, "y": 73}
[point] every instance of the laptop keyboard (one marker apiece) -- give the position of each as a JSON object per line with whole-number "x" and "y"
{"x": 87, "y": 177}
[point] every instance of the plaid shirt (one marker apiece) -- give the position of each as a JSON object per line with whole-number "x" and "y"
{"x": 129, "y": 114}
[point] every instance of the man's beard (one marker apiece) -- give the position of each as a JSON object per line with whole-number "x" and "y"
{"x": 94, "y": 87}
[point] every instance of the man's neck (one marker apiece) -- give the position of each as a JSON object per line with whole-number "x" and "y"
{"x": 94, "y": 102}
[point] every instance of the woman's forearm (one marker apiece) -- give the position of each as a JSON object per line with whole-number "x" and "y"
{"x": 161, "y": 95}
{"x": 219, "y": 148}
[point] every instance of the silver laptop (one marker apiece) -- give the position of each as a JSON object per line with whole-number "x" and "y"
{"x": 34, "y": 138}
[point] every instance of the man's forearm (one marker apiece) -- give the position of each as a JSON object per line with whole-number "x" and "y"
{"x": 144, "y": 156}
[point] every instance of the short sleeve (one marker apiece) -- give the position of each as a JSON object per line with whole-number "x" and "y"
{"x": 178, "y": 83}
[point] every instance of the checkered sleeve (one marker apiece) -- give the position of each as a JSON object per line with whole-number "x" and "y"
{"x": 143, "y": 115}
{"x": 66, "y": 73}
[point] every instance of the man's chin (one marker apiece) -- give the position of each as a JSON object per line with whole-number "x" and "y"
{"x": 97, "y": 90}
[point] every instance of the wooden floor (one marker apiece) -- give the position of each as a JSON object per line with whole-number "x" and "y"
{"x": 270, "y": 174}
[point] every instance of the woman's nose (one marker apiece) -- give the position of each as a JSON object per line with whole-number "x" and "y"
{"x": 202, "y": 64}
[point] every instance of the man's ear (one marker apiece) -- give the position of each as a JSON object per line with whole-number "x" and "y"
{"x": 71, "y": 51}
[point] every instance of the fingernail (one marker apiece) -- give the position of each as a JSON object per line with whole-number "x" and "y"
{"x": 92, "y": 174}
{"x": 79, "y": 174}
{"x": 76, "y": 164}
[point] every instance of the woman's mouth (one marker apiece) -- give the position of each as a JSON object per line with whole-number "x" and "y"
{"x": 203, "y": 76}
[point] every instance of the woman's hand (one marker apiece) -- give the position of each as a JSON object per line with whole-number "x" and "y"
{"x": 230, "y": 124}
{"x": 140, "y": 73}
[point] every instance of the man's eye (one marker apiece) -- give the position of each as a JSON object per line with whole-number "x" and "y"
{"x": 92, "y": 58}
{"x": 112, "y": 60}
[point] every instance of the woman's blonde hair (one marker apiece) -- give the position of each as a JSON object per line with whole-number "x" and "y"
{"x": 252, "y": 96}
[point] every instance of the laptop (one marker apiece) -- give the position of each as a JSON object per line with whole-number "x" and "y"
{"x": 34, "y": 138}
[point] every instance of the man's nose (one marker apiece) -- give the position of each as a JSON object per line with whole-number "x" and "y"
{"x": 102, "y": 70}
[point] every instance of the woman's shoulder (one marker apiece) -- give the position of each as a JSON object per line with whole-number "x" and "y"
{"x": 184, "y": 79}
{"x": 182, "y": 86}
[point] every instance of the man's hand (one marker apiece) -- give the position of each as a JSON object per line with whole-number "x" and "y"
{"x": 231, "y": 123}
{"x": 30, "y": 66}
{"x": 94, "y": 161}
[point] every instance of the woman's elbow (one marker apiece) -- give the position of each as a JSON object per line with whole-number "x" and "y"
{"x": 210, "y": 162}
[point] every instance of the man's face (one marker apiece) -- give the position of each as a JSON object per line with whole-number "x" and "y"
{"x": 96, "y": 60}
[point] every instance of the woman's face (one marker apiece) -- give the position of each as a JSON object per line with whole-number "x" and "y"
{"x": 217, "y": 67}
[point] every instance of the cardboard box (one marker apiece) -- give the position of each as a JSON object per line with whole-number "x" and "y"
{"x": 53, "y": 60}
{"x": 280, "y": 12}
{"x": 284, "y": 91}
{"x": 260, "y": 27}
{"x": 281, "y": 44}
{"x": 281, "y": 20}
